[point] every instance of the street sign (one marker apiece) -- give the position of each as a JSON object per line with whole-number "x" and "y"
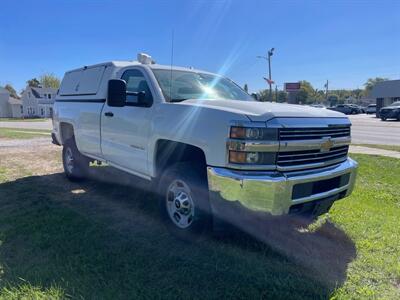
{"x": 292, "y": 86}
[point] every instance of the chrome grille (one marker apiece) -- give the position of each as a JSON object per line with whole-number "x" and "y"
{"x": 290, "y": 134}
{"x": 312, "y": 158}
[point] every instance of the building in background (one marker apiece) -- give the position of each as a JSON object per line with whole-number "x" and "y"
{"x": 385, "y": 93}
{"x": 9, "y": 107}
{"x": 38, "y": 102}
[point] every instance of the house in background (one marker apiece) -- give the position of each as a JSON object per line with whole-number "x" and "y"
{"x": 38, "y": 102}
{"x": 9, "y": 107}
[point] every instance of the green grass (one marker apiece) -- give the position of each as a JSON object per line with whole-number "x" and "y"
{"x": 384, "y": 147}
{"x": 22, "y": 120}
{"x": 20, "y": 133}
{"x": 95, "y": 240}
{"x": 371, "y": 217}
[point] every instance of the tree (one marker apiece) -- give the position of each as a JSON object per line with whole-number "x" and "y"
{"x": 49, "y": 80}
{"x": 333, "y": 99}
{"x": 282, "y": 96}
{"x": 11, "y": 90}
{"x": 33, "y": 82}
{"x": 357, "y": 93}
{"x": 302, "y": 96}
{"x": 371, "y": 82}
{"x": 246, "y": 88}
{"x": 263, "y": 95}
{"x": 306, "y": 93}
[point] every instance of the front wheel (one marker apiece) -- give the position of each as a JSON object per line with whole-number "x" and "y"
{"x": 75, "y": 164}
{"x": 184, "y": 204}
{"x": 383, "y": 118}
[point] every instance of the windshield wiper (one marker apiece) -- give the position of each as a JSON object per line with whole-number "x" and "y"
{"x": 178, "y": 99}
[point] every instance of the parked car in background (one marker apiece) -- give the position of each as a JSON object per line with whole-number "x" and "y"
{"x": 318, "y": 106}
{"x": 360, "y": 109}
{"x": 371, "y": 109}
{"x": 390, "y": 112}
{"x": 347, "y": 109}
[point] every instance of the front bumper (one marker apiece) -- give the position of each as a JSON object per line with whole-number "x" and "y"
{"x": 277, "y": 193}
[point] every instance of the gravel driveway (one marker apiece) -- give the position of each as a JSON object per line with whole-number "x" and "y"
{"x": 25, "y": 143}
{"x": 46, "y": 125}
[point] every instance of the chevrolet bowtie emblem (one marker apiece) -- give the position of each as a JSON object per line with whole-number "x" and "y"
{"x": 326, "y": 145}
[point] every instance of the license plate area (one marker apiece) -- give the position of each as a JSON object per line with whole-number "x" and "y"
{"x": 307, "y": 189}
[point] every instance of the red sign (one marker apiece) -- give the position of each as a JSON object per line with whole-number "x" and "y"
{"x": 269, "y": 81}
{"x": 292, "y": 86}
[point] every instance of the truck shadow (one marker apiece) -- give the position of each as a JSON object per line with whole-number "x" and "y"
{"x": 95, "y": 239}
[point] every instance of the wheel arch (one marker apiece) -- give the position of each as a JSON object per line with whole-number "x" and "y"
{"x": 167, "y": 153}
{"x": 66, "y": 131}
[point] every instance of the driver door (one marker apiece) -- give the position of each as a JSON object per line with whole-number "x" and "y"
{"x": 125, "y": 130}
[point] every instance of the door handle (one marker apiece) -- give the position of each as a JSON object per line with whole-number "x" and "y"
{"x": 109, "y": 114}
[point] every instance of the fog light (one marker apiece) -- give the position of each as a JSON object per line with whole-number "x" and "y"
{"x": 252, "y": 157}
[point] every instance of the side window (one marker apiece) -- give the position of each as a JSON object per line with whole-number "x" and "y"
{"x": 136, "y": 83}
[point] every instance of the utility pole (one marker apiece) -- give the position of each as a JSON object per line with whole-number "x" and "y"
{"x": 270, "y": 53}
{"x": 268, "y": 57}
{"x": 326, "y": 87}
{"x": 276, "y": 93}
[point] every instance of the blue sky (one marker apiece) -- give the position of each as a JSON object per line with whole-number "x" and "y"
{"x": 343, "y": 41}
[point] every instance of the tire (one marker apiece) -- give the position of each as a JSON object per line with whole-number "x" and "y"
{"x": 75, "y": 165}
{"x": 183, "y": 201}
{"x": 383, "y": 118}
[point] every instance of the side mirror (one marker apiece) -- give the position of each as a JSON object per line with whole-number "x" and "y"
{"x": 116, "y": 93}
{"x": 141, "y": 97}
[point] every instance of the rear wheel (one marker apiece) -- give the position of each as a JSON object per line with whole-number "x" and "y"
{"x": 383, "y": 118}
{"x": 75, "y": 164}
{"x": 184, "y": 204}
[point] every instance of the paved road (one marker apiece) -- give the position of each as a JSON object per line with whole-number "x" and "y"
{"x": 367, "y": 129}
{"x": 47, "y": 124}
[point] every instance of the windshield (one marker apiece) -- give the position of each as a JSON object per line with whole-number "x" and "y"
{"x": 192, "y": 85}
{"x": 397, "y": 103}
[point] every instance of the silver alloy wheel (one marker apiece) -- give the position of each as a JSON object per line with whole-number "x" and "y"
{"x": 179, "y": 204}
{"x": 69, "y": 160}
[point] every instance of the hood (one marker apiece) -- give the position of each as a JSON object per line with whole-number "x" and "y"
{"x": 263, "y": 111}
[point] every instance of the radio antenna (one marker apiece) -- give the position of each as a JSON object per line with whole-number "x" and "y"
{"x": 172, "y": 61}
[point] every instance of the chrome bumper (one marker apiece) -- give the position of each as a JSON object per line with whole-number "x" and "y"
{"x": 273, "y": 192}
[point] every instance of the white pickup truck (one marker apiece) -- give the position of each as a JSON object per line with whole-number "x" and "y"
{"x": 206, "y": 144}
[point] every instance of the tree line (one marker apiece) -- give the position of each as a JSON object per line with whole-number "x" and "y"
{"x": 310, "y": 95}
{"x": 47, "y": 80}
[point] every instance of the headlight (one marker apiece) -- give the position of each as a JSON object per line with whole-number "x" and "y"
{"x": 252, "y": 145}
{"x": 253, "y": 133}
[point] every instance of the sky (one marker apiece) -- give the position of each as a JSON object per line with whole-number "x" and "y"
{"x": 345, "y": 42}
